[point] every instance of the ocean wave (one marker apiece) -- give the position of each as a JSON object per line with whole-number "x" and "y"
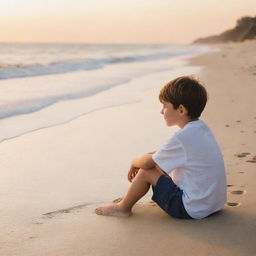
{"x": 20, "y": 70}
{"x": 29, "y": 105}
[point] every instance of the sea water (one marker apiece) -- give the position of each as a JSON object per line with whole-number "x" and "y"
{"x": 43, "y": 85}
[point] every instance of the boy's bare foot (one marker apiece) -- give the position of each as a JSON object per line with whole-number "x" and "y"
{"x": 117, "y": 200}
{"x": 112, "y": 210}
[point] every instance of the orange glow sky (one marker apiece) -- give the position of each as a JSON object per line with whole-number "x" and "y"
{"x": 118, "y": 21}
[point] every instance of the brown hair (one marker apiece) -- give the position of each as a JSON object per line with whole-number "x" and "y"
{"x": 186, "y": 91}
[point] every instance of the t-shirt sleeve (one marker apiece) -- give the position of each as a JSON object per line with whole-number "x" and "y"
{"x": 170, "y": 156}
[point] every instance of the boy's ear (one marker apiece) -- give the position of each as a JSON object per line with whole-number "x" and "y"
{"x": 182, "y": 110}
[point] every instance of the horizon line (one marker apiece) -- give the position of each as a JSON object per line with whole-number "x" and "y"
{"x": 99, "y": 43}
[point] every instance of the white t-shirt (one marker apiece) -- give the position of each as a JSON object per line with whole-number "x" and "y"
{"x": 195, "y": 163}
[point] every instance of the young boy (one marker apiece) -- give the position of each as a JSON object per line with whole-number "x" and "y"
{"x": 196, "y": 186}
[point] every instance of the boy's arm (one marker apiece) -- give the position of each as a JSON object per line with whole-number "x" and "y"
{"x": 144, "y": 161}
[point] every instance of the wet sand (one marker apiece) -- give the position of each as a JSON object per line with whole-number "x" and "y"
{"x": 64, "y": 173}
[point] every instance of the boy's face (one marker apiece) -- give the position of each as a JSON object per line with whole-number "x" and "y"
{"x": 171, "y": 116}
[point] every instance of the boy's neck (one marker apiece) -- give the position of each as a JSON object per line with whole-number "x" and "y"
{"x": 185, "y": 121}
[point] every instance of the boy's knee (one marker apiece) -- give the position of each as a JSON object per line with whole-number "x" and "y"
{"x": 151, "y": 175}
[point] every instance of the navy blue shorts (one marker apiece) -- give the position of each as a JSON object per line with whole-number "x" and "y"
{"x": 169, "y": 197}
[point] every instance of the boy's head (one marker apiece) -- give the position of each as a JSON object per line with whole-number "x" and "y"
{"x": 185, "y": 91}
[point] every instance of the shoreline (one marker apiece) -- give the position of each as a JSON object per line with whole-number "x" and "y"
{"x": 64, "y": 172}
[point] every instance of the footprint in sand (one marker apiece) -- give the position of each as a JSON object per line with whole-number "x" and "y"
{"x": 233, "y": 204}
{"x": 66, "y": 210}
{"x": 242, "y": 154}
{"x": 38, "y": 223}
{"x": 238, "y": 192}
{"x": 253, "y": 160}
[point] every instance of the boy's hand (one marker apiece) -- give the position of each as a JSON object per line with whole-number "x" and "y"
{"x": 132, "y": 173}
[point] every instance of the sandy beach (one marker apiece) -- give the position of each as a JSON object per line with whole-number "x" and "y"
{"x": 53, "y": 178}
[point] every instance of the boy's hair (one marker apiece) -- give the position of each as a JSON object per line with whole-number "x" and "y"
{"x": 186, "y": 91}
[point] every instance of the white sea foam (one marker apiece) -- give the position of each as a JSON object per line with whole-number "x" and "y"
{"x": 26, "y": 60}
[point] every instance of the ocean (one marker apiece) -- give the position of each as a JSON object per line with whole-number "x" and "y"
{"x": 43, "y": 85}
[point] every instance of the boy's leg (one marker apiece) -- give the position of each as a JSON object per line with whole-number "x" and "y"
{"x": 139, "y": 187}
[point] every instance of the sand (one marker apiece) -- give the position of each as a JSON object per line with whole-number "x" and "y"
{"x": 52, "y": 179}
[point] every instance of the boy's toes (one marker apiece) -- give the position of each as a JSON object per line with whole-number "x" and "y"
{"x": 98, "y": 211}
{"x": 112, "y": 210}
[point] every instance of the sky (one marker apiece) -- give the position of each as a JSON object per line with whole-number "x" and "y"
{"x": 118, "y": 21}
